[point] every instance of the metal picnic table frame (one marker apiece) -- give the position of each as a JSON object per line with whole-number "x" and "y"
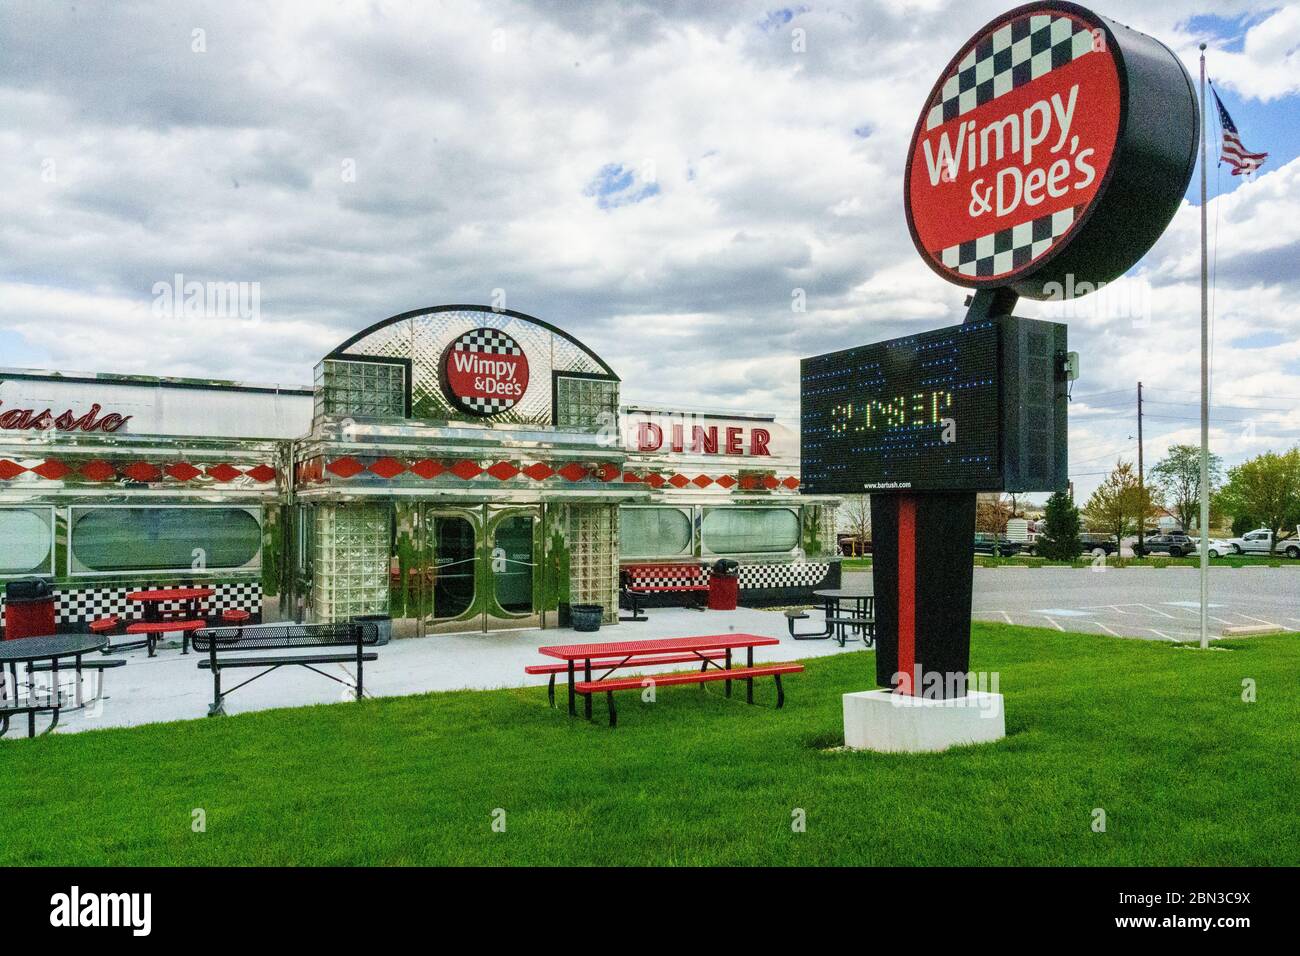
{"x": 31, "y": 651}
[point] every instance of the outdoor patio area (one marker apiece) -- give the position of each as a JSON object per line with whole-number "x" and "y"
{"x": 171, "y": 686}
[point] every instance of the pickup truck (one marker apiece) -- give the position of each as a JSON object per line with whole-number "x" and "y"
{"x": 1260, "y": 540}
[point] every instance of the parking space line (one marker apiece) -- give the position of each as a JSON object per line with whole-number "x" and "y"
{"x": 1006, "y": 617}
{"x": 1158, "y": 611}
{"x": 1112, "y": 633}
{"x": 1054, "y": 624}
{"x": 1161, "y": 634}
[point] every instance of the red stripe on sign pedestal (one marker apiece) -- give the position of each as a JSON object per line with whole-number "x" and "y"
{"x": 906, "y": 593}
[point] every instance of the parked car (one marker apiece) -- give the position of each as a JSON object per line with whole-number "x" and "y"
{"x": 1097, "y": 544}
{"x": 1259, "y": 542}
{"x": 994, "y": 544}
{"x": 1175, "y": 545}
{"x": 1218, "y": 547}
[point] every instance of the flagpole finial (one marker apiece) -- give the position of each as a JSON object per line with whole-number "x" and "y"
{"x": 1202, "y": 49}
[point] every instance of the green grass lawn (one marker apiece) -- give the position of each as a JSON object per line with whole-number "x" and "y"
{"x": 1155, "y": 735}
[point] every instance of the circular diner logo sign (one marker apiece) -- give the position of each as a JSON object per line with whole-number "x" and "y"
{"x": 1056, "y": 144}
{"x": 484, "y": 372}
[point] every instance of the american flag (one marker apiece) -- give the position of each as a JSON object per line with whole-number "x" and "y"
{"x": 1232, "y": 152}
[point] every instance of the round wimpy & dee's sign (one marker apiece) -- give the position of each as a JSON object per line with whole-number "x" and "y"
{"x": 1057, "y": 143}
{"x": 484, "y": 372}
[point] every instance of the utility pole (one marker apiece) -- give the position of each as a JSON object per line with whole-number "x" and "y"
{"x": 1142, "y": 493}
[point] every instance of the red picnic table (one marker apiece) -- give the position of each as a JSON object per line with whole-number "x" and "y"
{"x": 154, "y": 624}
{"x": 622, "y": 654}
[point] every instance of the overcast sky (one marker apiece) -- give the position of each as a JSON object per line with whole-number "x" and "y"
{"x": 658, "y": 178}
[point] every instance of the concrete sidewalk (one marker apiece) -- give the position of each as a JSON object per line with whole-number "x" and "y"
{"x": 171, "y": 687}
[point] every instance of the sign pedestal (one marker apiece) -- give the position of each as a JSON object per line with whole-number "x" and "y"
{"x": 923, "y": 575}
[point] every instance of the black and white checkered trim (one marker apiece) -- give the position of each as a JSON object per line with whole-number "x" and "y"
{"x": 1000, "y": 252}
{"x": 488, "y": 341}
{"x": 80, "y": 607}
{"x": 1013, "y": 55}
{"x": 763, "y": 576}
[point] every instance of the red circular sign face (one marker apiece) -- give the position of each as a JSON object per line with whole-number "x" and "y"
{"x": 485, "y": 372}
{"x": 1015, "y": 145}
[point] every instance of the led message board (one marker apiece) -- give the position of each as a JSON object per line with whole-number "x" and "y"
{"x": 974, "y": 407}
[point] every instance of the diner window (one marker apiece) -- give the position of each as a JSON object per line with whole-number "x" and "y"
{"x": 26, "y": 540}
{"x": 363, "y": 389}
{"x": 585, "y": 402}
{"x": 750, "y": 530}
{"x": 158, "y": 539}
{"x": 653, "y": 532}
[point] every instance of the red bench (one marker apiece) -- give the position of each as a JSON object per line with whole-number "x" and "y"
{"x": 642, "y": 579}
{"x": 747, "y": 674}
{"x": 609, "y": 666}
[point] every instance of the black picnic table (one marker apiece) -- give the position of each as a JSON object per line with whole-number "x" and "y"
{"x": 861, "y": 618}
{"x": 30, "y": 651}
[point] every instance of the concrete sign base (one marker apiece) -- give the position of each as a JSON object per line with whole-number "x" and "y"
{"x": 896, "y": 723}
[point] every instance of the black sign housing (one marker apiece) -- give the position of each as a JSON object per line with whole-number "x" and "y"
{"x": 974, "y": 407}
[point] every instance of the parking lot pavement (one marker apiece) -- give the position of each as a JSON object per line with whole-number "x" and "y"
{"x": 1157, "y": 604}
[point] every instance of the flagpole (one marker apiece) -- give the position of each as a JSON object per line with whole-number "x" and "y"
{"x": 1205, "y": 391}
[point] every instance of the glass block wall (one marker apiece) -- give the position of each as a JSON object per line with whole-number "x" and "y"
{"x": 585, "y": 402}
{"x": 363, "y": 389}
{"x": 350, "y": 561}
{"x": 593, "y": 556}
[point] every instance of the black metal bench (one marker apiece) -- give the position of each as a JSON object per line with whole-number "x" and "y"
{"x": 221, "y": 644}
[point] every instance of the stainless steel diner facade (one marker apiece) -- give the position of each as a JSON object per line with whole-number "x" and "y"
{"x": 456, "y": 467}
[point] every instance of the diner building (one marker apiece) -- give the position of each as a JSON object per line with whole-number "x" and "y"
{"x": 458, "y": 468}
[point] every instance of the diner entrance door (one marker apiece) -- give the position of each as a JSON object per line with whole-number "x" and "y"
{"x": 465, "y": 568}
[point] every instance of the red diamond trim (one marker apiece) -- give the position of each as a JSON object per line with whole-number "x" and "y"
{"x": 141, "y": 471}
{"x": 52, "y": 470}
{"x": 345, "y": 467}
{"x": 608, "y": 472}
{"x": 703, "y": 481}
{"x": 631, "y": 477}
{"x": 261, "y": 473}
{"x": 182, "y": 471}
{"x": 655, "y": 480}
{"x": 503, "y": 471}
{"x": 10, "y": 469}
{"x": 792, "y": 482}
{"x": 769, "y": 481}
{"x": 224, "y": 472}
{"x": 98, "y": 470}
{"x": 387, "y": 467}
{"x": 726, "y": 481}
{"x": 573, "y": 472}
{"x": 748, "y": 482}
{"x": 679, "y": 481}
{"x": 539, "y": 471}
{"x": 427, "y": 468}
{"x": 466, "y": 469}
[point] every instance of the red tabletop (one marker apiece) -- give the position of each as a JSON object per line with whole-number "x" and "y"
{"x": 170, "y": 594}
{"x": 163, "y": 627}
{"x": 578, "y": 652}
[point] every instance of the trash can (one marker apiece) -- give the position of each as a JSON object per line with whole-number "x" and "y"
{"x": 586, "y": 617}
{"x": 724, "y": 585}
{"x": 29, "y": 608}
{"x": 383, "y": 623}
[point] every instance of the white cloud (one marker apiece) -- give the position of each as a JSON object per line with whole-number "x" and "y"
{"x": 473, "y": 130}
